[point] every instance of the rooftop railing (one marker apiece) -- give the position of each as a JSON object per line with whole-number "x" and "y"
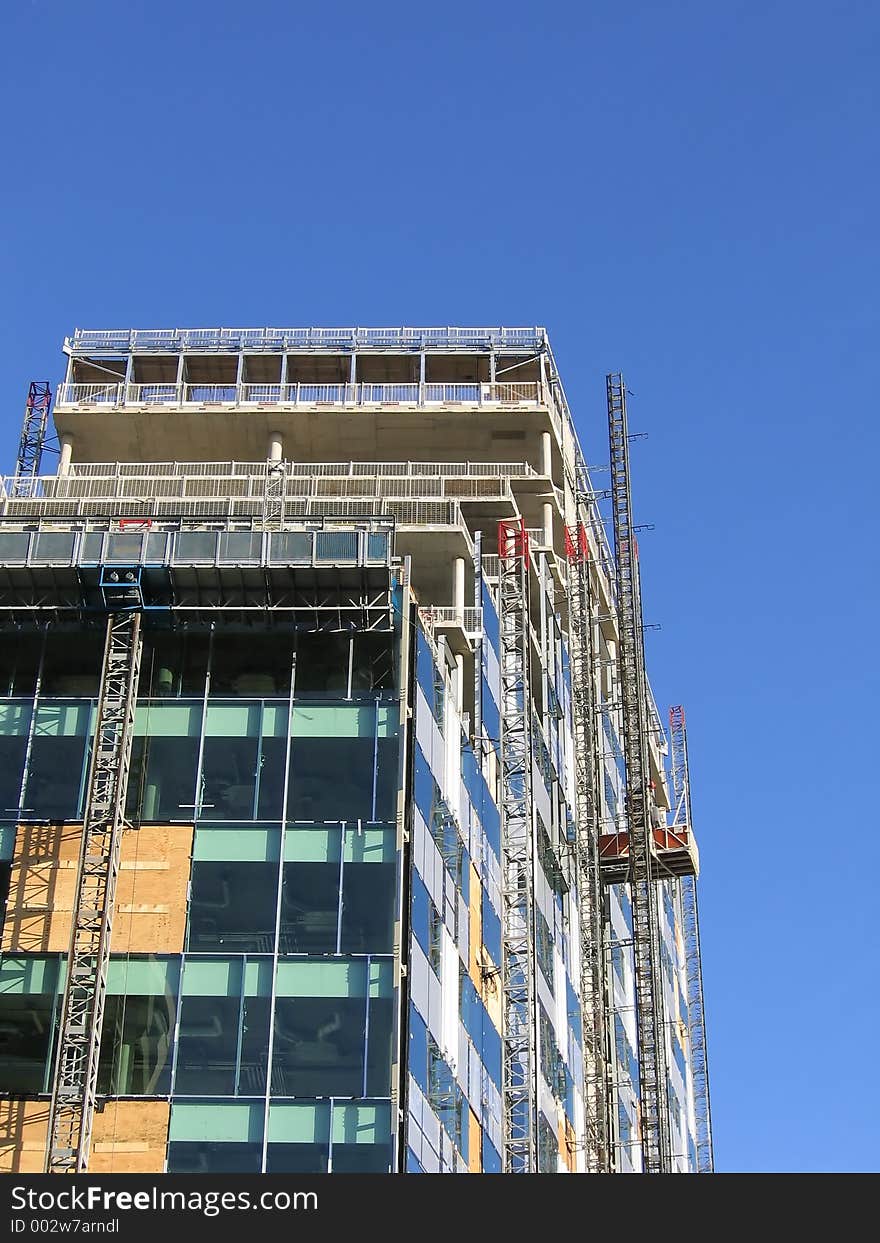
{"x": 269, "y": 339}
{"x": 524, "y": 393}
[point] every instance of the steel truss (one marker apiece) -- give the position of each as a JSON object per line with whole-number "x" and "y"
{"x": 693, "y": 959}
{"x": 82, "y": 1016}
{"x": 653, "y": 1086}
{"x": 33, "y": 437}
{"x": 519, "y": 1071}
{"x": 594, "y": 1002}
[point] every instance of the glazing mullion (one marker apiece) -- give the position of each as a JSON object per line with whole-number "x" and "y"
{"x": 241, "y": 1003}
{"x": 367, "y": 962}
{"x": 343, "y": 829}
{"x": 274, "y": 985}
{"x": 197, "y": 806}
{"x": 25, "y": 772}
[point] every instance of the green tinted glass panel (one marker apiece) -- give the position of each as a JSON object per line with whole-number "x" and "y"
{"x": 370, "y": 845}
{"x": 143, "y": 977}
{"x": 299, "y": 1124}
{"x": 247, "y": 843}
{"x": 218, "y": 1124}
{"x": 315, "y": 844}
{"x": 361, "y": 1123}
{"x": 14, "y": 719}
{"x": 343, "y": 721}
{"x": 169, "y": 720}
{"x": 31, "y": 975}
{"x": 321, "y": 979}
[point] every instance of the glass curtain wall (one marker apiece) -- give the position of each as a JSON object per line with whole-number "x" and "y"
{"x": 272, "y": 1032}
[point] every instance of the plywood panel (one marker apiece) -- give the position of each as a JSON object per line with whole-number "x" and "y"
{"x": 151, "y": 890}
{"x": 23, "y": 1127}
{"x": 475, "y": 1144}
{"x": 150, "y": 893}
{"x": 475, "y": 924}
{"x": 42, "y": 888}
{"x": 128, "y": 1137}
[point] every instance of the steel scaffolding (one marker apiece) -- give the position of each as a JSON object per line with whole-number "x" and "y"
{"x": 653, "y": 1090}
{"x": 519, "y": 1083}
{"x": 33, "y": 437}
{"x": 82, "y": 1015}
{"x": 594, "y": 1002}
{"x": 693, "y": 960}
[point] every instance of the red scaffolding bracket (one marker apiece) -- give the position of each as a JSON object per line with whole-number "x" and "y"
{"x": 513, "y": 540}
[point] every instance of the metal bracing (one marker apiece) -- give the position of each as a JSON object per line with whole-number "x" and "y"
{"x": 82, "y": 1015}
{"x": 33, "y": 437}
{"x": 693, "y": 960}
{"x": 653, "y": 1091}
{"x": 274, "y": 495}
{"x": 594, "y": 1002}
{"x": 519, "y": 1085}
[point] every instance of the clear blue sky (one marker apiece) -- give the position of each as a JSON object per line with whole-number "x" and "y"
{"x": 686, "y": 191}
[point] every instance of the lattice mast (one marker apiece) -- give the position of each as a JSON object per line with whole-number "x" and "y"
{"x": 681, "y": 787}
{"x": 75, "y": 1079}
{"x": 33, "y": 435}
{"x": 590, "y": 905}
{"x": 653, "y": 1093}
{"x": 519, "y": 1069}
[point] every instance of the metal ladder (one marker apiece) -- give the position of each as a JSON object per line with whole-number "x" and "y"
{"x": 594, "y": 1004}
{"x": 519, "y": 1084}
{"x": 274, "y": 495}
{"x": 82, "y": 1015}
{"x": 693, "y": 960}
{"x": 653, "y": 1089}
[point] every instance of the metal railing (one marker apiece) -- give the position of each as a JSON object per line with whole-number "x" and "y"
{"x": 269, "y": 339}
{"x": 470, "y": 620}
{"x": 300, "y": 394}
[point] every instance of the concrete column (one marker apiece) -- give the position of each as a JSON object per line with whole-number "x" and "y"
{"x": 548, "y": 524}
{"x": 66, "y": 455}
{"x": 546, "y": 454}
{"x": 276, "y": 447}
{"x": 458, "y": 583}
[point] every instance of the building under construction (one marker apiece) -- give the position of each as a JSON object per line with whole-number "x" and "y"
{"x": 340, "y": 831}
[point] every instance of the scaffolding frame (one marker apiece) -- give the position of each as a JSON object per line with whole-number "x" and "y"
{"x": 650, "y": 1025}
{"x": 33, "y": 437}
{"x": 519, "y": 1042}
{"x": 681, "y": 787}
{"x": 75, "y": 1078}
{"x": 594, "y": 1000}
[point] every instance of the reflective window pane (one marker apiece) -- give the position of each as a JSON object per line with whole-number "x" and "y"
{"x": 331, "y": 779}
{"x": 206, "y": 1158}
{"x": 319, "y": 1046}
{"x": 56, "y": 773}
{"x": 232, "y": 907}
{"x": 19, "y": 661}
{"x": 297, "y": 1158}
{"x": 368, "y": 908}
{"x": 322, "y": 660}
{"x": 136, "y": 1046}
{"x": 26, "y": 1022}
{"x": 208, "y": 1045}
{"x": 310, "y": 907}
{"x": 253, "y": 663}
{"x": 173, "y": 663}
{"x": 72, "y": 663}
